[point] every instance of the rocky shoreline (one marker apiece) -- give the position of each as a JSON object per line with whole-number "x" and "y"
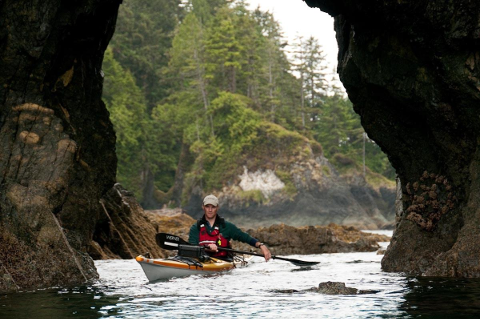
{"x": 282, "y": 239}
{"x": 288, "y": 240}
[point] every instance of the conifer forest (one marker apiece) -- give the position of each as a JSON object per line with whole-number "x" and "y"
{"x": 191, "y": 83}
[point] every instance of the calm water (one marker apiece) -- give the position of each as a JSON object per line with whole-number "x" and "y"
{"x": 258, "y": 291}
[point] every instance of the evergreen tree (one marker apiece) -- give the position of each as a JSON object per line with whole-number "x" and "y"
{"x": 340, "y": 132}
{"x": 248, "y": 34}
{"x": 188, "y": 62}
{"x": 275, "y": 94}
{"x": 147, "y": 149}
{"x": 236, "y": 125}
{"x": 310, "y": 65}
{"x": 205, "y": 10}
{"x": 143, "y": 34}
{"x": 337, "y": 128}
{"x": 223, "y": 51}
{"x": 314, "y": 71}
{"x": 126, "y": 104}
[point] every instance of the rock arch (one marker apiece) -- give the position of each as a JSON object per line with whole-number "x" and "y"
{"x": 412, "y": 71}
{"x": 411, "y": 68}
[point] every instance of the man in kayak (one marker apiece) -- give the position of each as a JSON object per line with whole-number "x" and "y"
{"x": 212, "y": 231}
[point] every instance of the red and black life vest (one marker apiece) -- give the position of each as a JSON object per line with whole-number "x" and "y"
{"x": 213, "y": 237}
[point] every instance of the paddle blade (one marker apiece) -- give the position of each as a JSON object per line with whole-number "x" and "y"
{"x": 169, "y": 242}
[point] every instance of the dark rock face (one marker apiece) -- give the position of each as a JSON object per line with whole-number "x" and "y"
{"x": 57, "y": 145}
{"x": 412, "y": 71}
{"x": 123, "y": 229}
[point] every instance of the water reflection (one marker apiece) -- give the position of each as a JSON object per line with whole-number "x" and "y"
{"x": 442, "y": 298}
{"x": 262, "y": 290}
{"x": 83, "y": 302}
{"x": 302, "y": 269}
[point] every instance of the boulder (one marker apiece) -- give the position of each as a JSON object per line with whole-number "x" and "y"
{"x": 339, "y": 288}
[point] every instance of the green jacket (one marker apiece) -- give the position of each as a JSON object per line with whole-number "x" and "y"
{"x": 227, "y": 229}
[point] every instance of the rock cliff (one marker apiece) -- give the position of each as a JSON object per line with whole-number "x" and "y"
{"x": 322, "y": 196}
{"x": 412, "y": 71}
{"x": 57, "y": 145}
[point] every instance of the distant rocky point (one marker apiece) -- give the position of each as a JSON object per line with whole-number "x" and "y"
{"x": 310, "y": 191}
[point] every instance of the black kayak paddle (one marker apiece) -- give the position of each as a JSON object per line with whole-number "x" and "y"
{"x": 172, "y": 242}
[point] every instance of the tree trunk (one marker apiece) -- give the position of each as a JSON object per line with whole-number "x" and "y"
{"x": 184, "y": 164}
{"x": 148, "y": 192}
{"x": 57, "y": 145}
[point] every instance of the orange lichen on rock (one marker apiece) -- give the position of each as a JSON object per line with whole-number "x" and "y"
{"x": 32, "y": 108}
{"x": 29, "y": 137}
{"x": 67, "y": 145}
{"x": 67, "y": 76}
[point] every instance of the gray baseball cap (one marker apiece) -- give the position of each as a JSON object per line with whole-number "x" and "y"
{"x": 210, "y": 199}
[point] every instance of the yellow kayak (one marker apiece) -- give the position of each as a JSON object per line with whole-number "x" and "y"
{"x": 162, "y": 269}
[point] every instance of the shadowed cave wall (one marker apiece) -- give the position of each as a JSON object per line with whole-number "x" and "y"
{"x": 59, "y": 202}
{"x": 412, "y": 71}
{"x": 57, "y": 145}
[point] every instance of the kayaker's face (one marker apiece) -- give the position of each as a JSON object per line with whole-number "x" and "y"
{"x": 210, "y": 211}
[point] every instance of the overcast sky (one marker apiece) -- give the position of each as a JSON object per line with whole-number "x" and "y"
{"x": 295, "y": 17}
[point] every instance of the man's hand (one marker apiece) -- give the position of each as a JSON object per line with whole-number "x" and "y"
{"x": 212, "y": 247}
{"x": 266, "y": 252}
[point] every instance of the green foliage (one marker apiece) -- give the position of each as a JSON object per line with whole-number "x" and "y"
{"x": 253, "y": 196}
{"x": 277, "y": 141}
{"x": 187, "y": 53}
{"x": 126, "y": 105}
{"x": 343, "y": 138}
{"x": 223, "y": 51}
{"x": 215, "y": 76}
{"x": 338, "y": 126}
{"x": 378, "y": 180}
{"x": 326, "y": 170}
{"x": 235, "y": 126}
{"x": 235, "y": 123}
{"x": 286, "y": 178}
{"x": 145, "y": 144}
{"x": 144, "y": 32}
{"x": 162, "y": 144}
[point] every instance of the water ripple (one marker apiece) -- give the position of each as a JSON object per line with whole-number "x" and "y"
{"x": 276, "y": 289}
